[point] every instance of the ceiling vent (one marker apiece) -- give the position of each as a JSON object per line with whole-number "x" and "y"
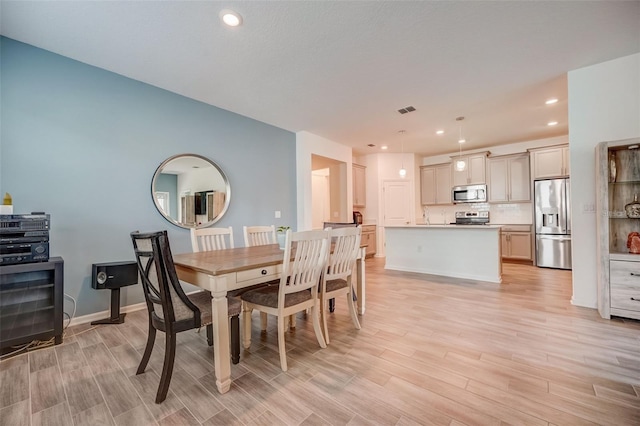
{"x": 406, "y": 109}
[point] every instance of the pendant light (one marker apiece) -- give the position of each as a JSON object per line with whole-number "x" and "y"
{"x": 460, "y": 163}
{"x": 403, "y": 171}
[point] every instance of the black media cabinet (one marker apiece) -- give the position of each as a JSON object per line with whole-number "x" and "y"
{"x": 31, "y": 297}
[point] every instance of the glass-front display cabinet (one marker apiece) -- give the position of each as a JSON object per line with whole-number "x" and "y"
{"x": 618, "y": 227}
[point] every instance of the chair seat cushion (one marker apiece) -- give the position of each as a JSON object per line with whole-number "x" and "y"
{"x": 202, "y": 300}
{"x": 240, "y": 291}
{"x": 333, "y": 285}
{"x": 268, "y": 296}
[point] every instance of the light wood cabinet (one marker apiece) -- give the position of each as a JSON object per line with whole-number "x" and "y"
{"x": 508, "y": 178}
{"x": 369, "y": 238}
{"x": 550, "y": 162}
{"x": 617, "y": 182}
{"x": 359, "y": 186}
{"x": 435, "y": 184}
{"x": 517, "y": 242}
{"x": 473, "y": 173}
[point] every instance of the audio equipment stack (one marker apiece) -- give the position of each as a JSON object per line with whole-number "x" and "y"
{"x": 24, "y": 238}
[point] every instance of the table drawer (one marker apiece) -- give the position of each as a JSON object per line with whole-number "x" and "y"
{"x": 267, "y": 273}
{"x": 625, "y": 285}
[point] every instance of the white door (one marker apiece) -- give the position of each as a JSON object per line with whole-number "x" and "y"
{"x": 397, "y": 202}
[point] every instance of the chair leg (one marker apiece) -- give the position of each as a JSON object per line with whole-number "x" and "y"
{"x": 332, "y": 305}
{"x": 246, "y": 321}
{"x": 316, "y": 326}
{"x": 281, "y": 349}
{"x": 352, "y": 310}
{"x": 323, "y": 317}
{"x": 167, "y": 367}
{"x": 210, "y": 334}
{"x": 235, "y": 339}
{"x": 263, "y": 321}
{"x": 151, "y": 338}
{"x": 292, "y": 322}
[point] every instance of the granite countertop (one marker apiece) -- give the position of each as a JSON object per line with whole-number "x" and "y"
{"x": 447, "y": 226}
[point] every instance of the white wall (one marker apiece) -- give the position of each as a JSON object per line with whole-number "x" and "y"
{"x": 308, "y": 144}
{"x": 604, "y": 105}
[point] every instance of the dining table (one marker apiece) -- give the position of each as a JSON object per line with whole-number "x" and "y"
{"x": 220, "y": 271}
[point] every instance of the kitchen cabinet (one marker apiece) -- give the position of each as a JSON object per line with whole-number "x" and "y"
{"x": 359, "y": 186}
{"x": 617, "y": 183}
{"x": 517, "y": 243}
{"x": 473, "y": 173}
{"x": 435, "y": 184}
{"x": 369, "y": 237}
{"x": 508, "y": 178}
{"x": 31, "y": 302}
{"x": 550, "y": 162}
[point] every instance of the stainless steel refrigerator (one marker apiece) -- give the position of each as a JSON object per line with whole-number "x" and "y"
{"x": 553, "y": 223}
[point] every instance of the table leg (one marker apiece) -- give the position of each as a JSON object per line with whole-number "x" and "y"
{"x": 360, "y": 281}
{"x": 221, "y": 349}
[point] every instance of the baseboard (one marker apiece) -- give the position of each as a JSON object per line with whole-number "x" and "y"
{"x": 105, "y": 314}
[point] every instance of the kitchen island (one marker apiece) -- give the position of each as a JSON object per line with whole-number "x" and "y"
{"x": 460, "y": 251}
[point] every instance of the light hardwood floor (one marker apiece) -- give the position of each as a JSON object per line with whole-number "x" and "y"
{"x": 431, "y": 350}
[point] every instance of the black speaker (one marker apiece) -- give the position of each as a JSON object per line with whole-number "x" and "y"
{"x": 114, "y": 275}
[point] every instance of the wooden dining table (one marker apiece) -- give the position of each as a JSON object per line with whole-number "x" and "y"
{"x": 220, "y": 271}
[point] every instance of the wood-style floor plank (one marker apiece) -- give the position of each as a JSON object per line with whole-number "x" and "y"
{"x": 431, "y": 351}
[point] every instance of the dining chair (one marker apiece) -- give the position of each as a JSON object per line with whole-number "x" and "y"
{"x": 170, "y": 309}
{"x": 208, "y": 239}
{"x": 337, "y": 276}
{"x": 335, "y": 225}
{"x": 298, "y": 287}
{"x": 259, "y": 235}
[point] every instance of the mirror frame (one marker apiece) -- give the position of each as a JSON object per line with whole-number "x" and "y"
{"x": 174, "y": 221}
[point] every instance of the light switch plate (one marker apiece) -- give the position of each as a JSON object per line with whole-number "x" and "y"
{"x": 278, "y": 214}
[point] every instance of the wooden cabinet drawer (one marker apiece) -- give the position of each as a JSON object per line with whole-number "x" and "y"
{"x": 264, "y": 274}
{"x": 625, "y": 285}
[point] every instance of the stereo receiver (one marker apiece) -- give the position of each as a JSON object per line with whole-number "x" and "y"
{"x": 24, "y": 238}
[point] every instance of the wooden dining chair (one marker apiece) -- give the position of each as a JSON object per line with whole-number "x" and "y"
{"x": 337, "y": 276}
{"x": 259, "y": 235}
{"x": 170, "y": 309}
{"x": 298, "y": 287}
{"x": 208, "y": 239}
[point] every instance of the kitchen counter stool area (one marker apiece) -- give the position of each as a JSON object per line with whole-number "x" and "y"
{"x": 461, "y": 251}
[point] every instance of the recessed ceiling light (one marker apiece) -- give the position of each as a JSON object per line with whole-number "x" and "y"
{"x": 231, "y": 18}
{"x": 439, "y": 132}
{"x": 384, "y": 147}
{"x": 551, "y": 101}
{"x": 552, "y": 123}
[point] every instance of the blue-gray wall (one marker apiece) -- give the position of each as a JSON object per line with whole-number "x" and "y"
{"x": 82, "y": 144}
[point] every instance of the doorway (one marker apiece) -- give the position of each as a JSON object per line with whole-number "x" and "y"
{"x": 329, "y": 191}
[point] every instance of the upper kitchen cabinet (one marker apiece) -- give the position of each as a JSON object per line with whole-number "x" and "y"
{"x": 473, "y": 173}
{"x": 508, "y": 178}
{"x": 435, "y": 184}
{"x": 359, "y": 186}
{"x": 550, "y": 162}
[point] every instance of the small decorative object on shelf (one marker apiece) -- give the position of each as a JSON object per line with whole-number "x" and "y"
{"x": 633, "y": 242}
{"x": 612, "y": 166}
{"x": 633, "y": 208}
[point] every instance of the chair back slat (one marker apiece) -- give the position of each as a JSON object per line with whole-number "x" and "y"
{"x": 310, "y": 257}
{"x": 259, "y": 235}
{"x": 163, "y": 294}
{"x": 210, "y": 239}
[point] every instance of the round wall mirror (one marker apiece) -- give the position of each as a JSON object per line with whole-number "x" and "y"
{"x": 190, "y": 191}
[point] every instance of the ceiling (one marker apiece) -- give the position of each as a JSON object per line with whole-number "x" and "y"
{"x": 342, "y": 69}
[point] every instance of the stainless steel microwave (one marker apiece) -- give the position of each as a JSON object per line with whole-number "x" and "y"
{"x": 469, "y": 194}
